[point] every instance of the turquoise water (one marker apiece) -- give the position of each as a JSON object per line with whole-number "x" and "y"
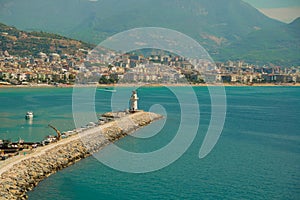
{"x": 256, "y": 157}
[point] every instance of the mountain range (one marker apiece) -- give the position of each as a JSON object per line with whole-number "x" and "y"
{"x": 227, "y": 29}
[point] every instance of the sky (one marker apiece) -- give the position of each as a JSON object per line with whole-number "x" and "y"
{"x": 283, "y": 10}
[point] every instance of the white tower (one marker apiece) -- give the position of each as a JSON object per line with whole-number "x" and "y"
{"x": 134, "y": 102}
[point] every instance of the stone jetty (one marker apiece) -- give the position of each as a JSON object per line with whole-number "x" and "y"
{"x": 22, "y": 173}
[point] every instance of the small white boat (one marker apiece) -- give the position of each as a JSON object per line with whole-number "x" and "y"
{"x": 29, "y": 115}
{"x": 108, "y": 89}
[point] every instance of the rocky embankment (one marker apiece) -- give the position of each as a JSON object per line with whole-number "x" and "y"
{"x": 26, "y": 173}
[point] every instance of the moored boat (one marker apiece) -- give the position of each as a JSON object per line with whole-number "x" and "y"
{"x": 108, "y": 89}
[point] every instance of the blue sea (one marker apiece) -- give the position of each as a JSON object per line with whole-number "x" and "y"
{"x": 256, "y": 157}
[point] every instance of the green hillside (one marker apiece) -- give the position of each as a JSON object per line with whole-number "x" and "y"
{"x": 279, "y": 46}
{"x": 23, "y": 43}
{"x": 226, "y": 28}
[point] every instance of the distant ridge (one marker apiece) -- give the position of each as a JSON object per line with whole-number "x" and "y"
{"x": 296, "y": 22}
{"x": 295, "y": 25}
{"x": 228, "y": 29}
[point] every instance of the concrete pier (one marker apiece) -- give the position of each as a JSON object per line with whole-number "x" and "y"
{"x": 22, "y": 173}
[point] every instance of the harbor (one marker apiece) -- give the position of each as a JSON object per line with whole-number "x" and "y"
{"x": 24, "y": 164}
{"x": 22, "y": 172}
{"x": 9, "y": 149}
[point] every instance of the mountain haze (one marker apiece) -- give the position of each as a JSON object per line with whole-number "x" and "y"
{"x": 228, "y": 29}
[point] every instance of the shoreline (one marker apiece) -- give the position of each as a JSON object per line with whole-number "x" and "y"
{"x": 22, "y": 173}
{"x": 152, "y": 85}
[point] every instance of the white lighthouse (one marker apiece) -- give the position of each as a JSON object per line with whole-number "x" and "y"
{"x": 134, "y": 102}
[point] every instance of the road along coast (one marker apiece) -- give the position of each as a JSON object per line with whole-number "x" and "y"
{"x": 22, "y": 173}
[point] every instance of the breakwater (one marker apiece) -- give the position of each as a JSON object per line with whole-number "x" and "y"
{"x": 24, "y": 172}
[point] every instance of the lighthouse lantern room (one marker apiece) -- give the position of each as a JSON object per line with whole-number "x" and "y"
{"x": 134, "y": 102}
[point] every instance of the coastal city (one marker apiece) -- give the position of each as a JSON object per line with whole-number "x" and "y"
{"x": 149, "y": 99}
{"x": 111, "y": 68}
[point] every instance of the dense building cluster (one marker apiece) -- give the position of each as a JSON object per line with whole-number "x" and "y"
{"x": 42, "y": 69}
{"x": 110, "y": 67}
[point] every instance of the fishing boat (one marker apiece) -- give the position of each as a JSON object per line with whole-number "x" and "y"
{"x": 29, "y": 115}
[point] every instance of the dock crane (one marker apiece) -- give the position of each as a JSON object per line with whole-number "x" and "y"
{"x": 58, "y": 137}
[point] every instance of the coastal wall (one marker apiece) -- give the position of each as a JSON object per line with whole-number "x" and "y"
{"x": 27, "y": 171}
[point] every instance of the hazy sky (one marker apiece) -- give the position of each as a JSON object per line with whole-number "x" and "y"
{"x": 283, "y": 10}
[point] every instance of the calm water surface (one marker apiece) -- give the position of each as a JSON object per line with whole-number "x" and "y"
{"x": 256, "y": 157}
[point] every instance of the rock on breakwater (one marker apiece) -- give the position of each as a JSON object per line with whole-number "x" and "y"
{"x": 26, "y": 172}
